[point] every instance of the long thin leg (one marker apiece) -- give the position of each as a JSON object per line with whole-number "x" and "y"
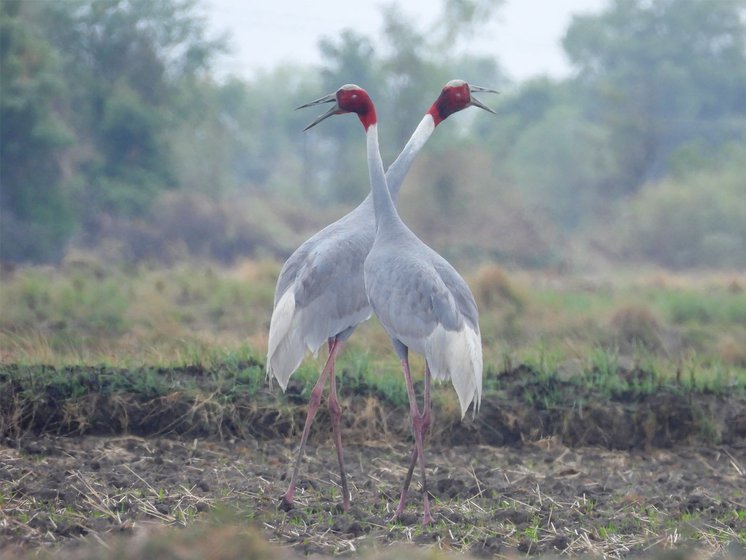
{"x": 335, "y": 412}
{"x": 405, "y": 488}
{"x": 428, "y": 405}
{"x": 413, "y": 461}
{"x": 424, "y": 427}
{"x": 313, "y": 405}
{"x": 418, "y": 425}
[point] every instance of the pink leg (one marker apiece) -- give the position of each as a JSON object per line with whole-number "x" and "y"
{"x": 420, "y": 423}
{"x": 413, "y": 460}
{"x": 405, "y": 488}
{"x": 335, "y": 412}
{"x": 313, "y": 405}
{"x": 426, "y": 418}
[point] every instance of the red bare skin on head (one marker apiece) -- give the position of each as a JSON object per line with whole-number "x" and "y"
{"x": 451, "y": 100}
{"x": 357, "y": 101}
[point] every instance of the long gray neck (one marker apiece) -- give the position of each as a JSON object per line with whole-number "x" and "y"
{"x": 398, "y": 170}
{"x": 382, "y": 202}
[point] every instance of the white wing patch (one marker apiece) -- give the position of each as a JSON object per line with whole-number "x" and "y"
{"x": 457, "y": 355}
{"x": 285, "y": 348}
{"x": 294, "y": 331}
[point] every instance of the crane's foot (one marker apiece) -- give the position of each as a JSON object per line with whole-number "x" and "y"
{"x": 286, "y": 503}
{"x": 427, "y": 519}
{"x": 340, "y": 508}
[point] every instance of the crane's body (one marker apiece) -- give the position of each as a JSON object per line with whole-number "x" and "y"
{"x": 320, "y": 293}
{"x": 418, "y": 297}
{"x": 424, "y": 305}
{"x": 320, "y": 296}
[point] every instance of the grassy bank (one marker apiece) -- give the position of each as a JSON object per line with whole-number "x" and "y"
{"x": 86, "y": 313}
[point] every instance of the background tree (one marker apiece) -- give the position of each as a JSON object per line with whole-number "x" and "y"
{"x": 125, "y": 61}
{"x": 116, "y": 132}
{"x": 662, "y": 73}
{"x": 36, "y": 214}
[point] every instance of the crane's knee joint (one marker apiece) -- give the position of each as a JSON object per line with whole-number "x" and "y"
{"x": 315, "y": 399}
{"x": 334, "y": 409}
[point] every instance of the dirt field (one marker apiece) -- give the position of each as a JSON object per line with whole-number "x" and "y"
{"x": 537, "y": 498}
{"x": 508, "y": 494}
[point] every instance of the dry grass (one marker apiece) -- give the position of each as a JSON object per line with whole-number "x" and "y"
{"x": 181, "y": 499}
{"x": 605, "y": 333}
{"x": 91, "y": 313}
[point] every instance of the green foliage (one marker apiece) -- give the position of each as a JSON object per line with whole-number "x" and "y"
{"x": 662, "y": 73}
{"x": 715, "y": 307}
{"x": 110, "y": 107}
{"x": 696, "y": 221}
{"x": 36, "y": 214}
{"x": 118, "y": 64}
{"x": 74, "y": 307}
{"x": 562, "y": 163}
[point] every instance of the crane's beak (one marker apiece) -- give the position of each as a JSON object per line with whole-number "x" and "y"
{"x": 480, "y": 89}
{"x": 476, "y": 103}
{"x": 331, "y": 98}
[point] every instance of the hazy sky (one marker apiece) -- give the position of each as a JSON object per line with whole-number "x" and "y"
{"x": 525, "y": 36}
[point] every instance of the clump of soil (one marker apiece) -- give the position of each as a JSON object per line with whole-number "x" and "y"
{"x": 539, "y": 498}
{"x": 549, "y": 466}
{"x": 632, "y": 410}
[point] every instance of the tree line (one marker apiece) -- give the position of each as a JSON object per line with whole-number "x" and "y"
{"x": 108, "y": 106}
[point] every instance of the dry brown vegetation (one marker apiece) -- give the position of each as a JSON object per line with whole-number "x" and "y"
{"x": 552, "y": 464}
{"x": 136, "y": 421}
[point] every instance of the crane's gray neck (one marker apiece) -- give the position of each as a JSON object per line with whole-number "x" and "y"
{"x": 383, "y": 205}
{"x": 399, "y": 169}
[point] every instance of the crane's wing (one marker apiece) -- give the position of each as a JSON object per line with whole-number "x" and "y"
{"x": 422, "y": 311}
{"x": 461, "y": 354}
{"x": 458, "y": 288}
{"x": 320, "y": 294}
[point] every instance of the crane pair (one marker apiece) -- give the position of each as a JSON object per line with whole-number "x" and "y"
{"x": 370, "y": 261}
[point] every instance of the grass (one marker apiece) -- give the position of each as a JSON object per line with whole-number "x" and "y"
{"x": 155, "y": 350}
{"x": 93, "y": 314}
{"x": 606, "y": 337}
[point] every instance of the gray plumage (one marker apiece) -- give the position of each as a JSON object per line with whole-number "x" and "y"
{"x": 325, "y": 286}
{"x": 424, "y": 305}
{"x": 420, "y": 300}
{"x": 322, "y": 282}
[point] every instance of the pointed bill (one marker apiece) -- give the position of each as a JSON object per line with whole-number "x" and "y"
{"x": 330, "y": 98}
{"x": 325, "y": 99}
{"x": 480, "y": 89}
{"x": 476, "y": 103}
{"x": 333, "y": 111}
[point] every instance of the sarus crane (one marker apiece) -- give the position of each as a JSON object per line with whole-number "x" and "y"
{"x": 320, "y": 292}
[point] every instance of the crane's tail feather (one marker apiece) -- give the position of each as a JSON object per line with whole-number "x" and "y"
{"x": 286, "y": 348}
{"x": 457, "y": 355}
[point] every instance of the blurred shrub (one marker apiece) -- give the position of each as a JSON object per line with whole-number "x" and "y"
{"x": 733, "y": 352}
{"x": 454, "y": 202}
{"x": 492, "y": 287}
{"x": 180, "y": 225}
{"x": 636, "y": 326}
{"x": 72, "y": 303}
{"x": 200, "y": 540}
{"x": 714, "y": 307}
{"x": 697, "y": 221}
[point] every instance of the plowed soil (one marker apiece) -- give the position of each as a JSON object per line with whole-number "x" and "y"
{"x": 508, "y": 484}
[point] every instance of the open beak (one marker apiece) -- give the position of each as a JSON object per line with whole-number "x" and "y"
{"x": 331, "y": 98}
{"x": 476, "y": 103}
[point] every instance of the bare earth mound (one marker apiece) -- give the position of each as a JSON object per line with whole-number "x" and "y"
{"x": 522, "y": 479}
